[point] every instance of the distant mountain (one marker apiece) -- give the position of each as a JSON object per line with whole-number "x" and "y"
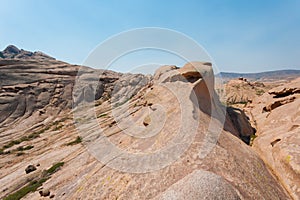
{"x": 12, "y": 51}
{"x": 262, "y": 76}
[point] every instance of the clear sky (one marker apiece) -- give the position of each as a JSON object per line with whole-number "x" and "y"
{"x": 240, "y": 35}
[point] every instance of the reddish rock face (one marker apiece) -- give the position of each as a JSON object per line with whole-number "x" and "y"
{"x": 277, "y": 119}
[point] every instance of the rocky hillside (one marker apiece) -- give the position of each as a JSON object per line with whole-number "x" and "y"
{"x": 72, "y": 132}
{"x": 270, "y": 76}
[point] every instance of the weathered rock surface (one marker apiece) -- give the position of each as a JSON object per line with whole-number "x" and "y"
{"x": 218, "y": 153}
{"x": 240, "y": 91}
{"x": 276, "y": 104}
{"x": 277, "y": 118}
{"x": 189, "y": 142}
{"x": 31, "y": 91}
{"x": 286, "y": 89}
{"x": 201, "y": 185}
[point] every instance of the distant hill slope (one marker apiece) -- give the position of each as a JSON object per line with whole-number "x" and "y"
{"x": 262, "y": 76}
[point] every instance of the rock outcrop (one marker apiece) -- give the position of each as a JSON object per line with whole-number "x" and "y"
{"x": 286, "y": 90}
{"x": 276, "y": 116}
{"x": 240, "y": 91}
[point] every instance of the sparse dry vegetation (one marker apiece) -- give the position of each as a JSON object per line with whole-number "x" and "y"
{"x": 35, "y": 184}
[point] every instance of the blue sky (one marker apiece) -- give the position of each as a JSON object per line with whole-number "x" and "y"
{"x": 240, "y": 35}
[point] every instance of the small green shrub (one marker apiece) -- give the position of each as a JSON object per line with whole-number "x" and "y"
{"x": 252, "y": 138}
{"x": 58, "y": 127}
{"x": 20, "y": 153}
{"x": 33, "y": 136}
{"x": 35, "y": 184}
{"x": 11, "y": 143}
{"x": 259, "y": 92}
{"x": 98, "y": 103}
{"x": 76, "y": 141}
{"x": 54, "y": 168}
{"x": 21, "y": 148}
{"x": 102, "y": 115}
{"x": 31, "y": 187}
{"x": 2, "y": 152}
{"x": 22, "y": 139}
{"x": 28, "y": 147}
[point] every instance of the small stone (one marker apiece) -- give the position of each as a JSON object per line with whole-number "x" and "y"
{"x": 30, "y": 168}
{"x": 147, "y": 121}
{"x": 44, "y": 192}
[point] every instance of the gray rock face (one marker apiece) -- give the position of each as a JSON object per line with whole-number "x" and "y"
{"x": 11, "y": 49}
{"x": 92, "y": 85}
{"x": 127, "y": 86}
{"x": 28, "y": 87}
{"x": 96, "y": 84}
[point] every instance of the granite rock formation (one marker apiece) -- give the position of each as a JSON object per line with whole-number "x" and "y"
{"x": 107, "y": 135}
